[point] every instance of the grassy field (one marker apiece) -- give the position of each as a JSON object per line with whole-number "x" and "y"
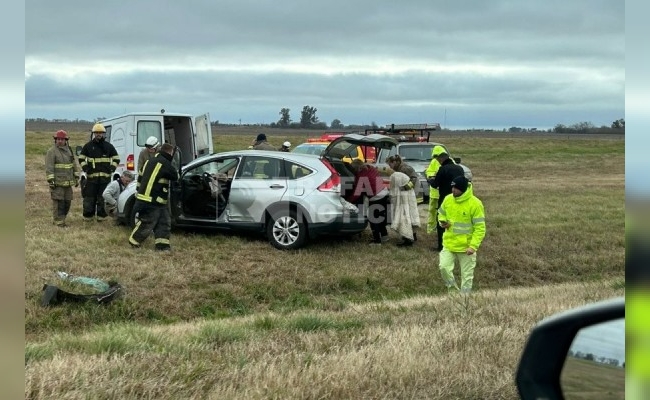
{"x": 230, "y": 317}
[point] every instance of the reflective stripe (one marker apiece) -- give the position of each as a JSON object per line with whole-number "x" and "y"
{"x": 478, "y": 220}
{"x": 161, "y": 241}
{"x": 143, "y": 197}
{"x": 99, "y": 159}
{"x": 99, "y": 174}
{"x": 66, "y": 166}
{"x": 50, "y": 176}
{"x": 460, "y": 230}
{"x": 146, "y": 196}
{"x": 164, "y": 181}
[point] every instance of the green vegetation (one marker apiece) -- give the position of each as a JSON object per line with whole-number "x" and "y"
{"x": 227, "y": 316}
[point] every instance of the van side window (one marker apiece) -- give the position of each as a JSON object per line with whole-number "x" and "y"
{"x": 146, "y": 129}
{"x": 107, "y": 136}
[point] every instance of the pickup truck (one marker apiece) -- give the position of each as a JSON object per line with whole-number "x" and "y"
{"x": 415, "y": 153}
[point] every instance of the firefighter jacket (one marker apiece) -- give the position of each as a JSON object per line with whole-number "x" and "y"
{"x": 153, "y": 184}
{"x": 60, "y": 166}
{"x": 466, "y": 215}
{"x": 99, "y": 160}
{"x": 144, "y": 156}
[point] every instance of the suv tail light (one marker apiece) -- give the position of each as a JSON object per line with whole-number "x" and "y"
{"x": 333, "y": 183}
{"x": 130, "y": 165}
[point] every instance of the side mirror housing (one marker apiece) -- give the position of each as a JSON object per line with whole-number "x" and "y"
{"x": 548, "y": 345}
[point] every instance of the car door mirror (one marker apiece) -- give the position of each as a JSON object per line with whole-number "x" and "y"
{"x": 549, "y": 345}
{"x": 595, "y": 363}
{"x": 77, "y": 150}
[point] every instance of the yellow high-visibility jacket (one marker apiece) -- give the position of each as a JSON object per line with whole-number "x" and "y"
{"x": 466, "y": 215}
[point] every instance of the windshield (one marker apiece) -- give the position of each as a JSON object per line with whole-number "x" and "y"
{"x": 310, "y": 148}
{"x": 416, "y": 153}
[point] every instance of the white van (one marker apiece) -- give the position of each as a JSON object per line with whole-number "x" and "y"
{"x": 128, "y": 133}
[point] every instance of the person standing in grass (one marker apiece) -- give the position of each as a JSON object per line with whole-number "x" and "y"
{"x": 462, "y": 217}
{"x": 442, "y": 182}
{"x": 396, "y": 163}
{"x": 151, "y": 208}
{"x": 98, "y": 160}
{"x": 62, "y": 172}
{"x": 434, "y": 195}
{"x": 368, "y": 182}
{"x": 404, "y": 209}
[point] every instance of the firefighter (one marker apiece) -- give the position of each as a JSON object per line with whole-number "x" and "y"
{"x": 151, "y": 208}
{"x": 151, "y": 147}
{"x": 98, "y": 159}
{"x": 62, "y": 172}
{"x": 286, "y": 147}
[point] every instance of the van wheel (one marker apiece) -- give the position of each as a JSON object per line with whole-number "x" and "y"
{"x": 285, "y": 231}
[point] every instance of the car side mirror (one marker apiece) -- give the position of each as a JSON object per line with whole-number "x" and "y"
{"x": 595, "y": 362}
{"x": 549, "y": 348}
{"x": 77, "y": 150}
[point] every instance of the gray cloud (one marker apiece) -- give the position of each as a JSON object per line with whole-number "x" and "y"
{"x": 500, "y": 63}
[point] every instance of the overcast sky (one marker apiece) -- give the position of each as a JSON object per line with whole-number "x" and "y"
{"x": 475, "y": 63}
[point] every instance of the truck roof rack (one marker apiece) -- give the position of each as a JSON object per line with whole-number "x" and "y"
{"x": 407, "y": 132}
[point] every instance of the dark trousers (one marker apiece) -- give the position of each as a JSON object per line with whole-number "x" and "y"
{"x": 150, "y": 218}
{"x": 440, "y": 229}
{"x": 378, "y": 218}
{"x": 93, "y": 203}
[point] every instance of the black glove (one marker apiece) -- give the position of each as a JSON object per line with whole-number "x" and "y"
{"x": 51, "y": 183}
{"x": 82, "y": 182}
{"x": 432, "y": 182}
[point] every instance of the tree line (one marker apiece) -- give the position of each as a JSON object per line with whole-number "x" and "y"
{"x": 309, "y": 120}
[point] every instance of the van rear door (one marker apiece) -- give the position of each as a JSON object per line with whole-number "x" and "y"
{"x": 203, "y": 135}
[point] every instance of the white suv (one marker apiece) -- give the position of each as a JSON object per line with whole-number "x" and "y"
{"x": 289, "y": 197}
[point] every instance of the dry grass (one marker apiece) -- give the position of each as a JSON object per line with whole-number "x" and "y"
{"x": 422, "y": 347}
{"x": 230, "y": 317}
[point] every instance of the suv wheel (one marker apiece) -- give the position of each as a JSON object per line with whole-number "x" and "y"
{"x": 128, "y": 212}
{"x": 285, "y": 231}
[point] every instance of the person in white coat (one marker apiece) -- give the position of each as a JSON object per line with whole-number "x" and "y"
{"x": 113, "y": 190}
{"x": 404, "y": 208}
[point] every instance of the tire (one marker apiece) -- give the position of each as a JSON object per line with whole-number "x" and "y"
{"x": 285, "y": 231}
{"x": 128, "y": 212}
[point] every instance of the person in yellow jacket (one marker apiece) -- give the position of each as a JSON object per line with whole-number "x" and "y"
{"x": 62, "y": 172}
{"x": 430, "y": 173}
{"x": 463, "y": 217}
